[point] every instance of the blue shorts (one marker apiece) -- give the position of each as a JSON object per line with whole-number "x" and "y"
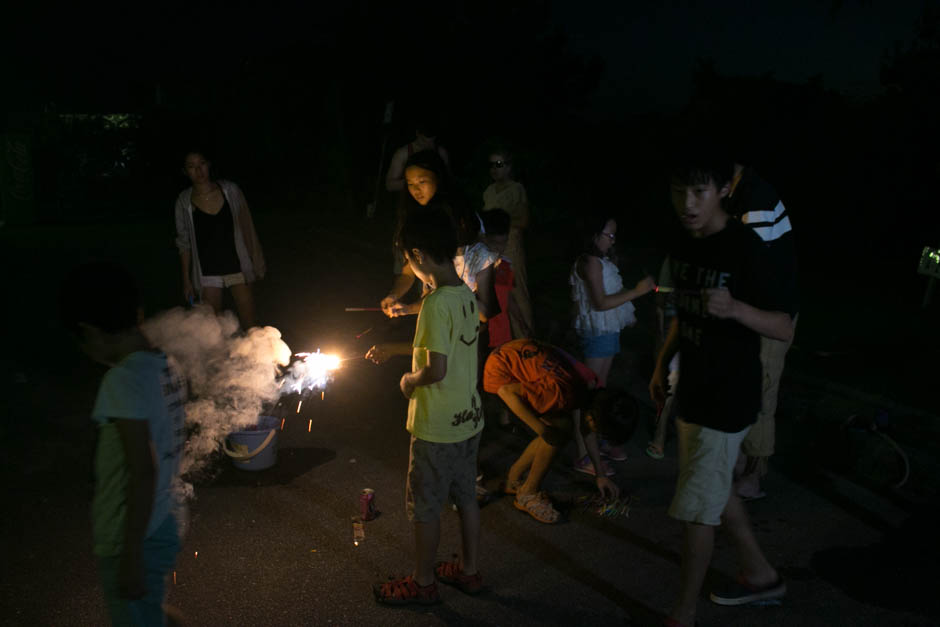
{"x": 600, "y": 345}
{"x": 159, "y": 556}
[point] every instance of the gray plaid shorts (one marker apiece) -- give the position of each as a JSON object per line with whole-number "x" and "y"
{"x": 438, "y": 470}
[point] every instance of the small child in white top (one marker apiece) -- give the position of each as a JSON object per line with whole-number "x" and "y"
{"x": 603, "y": 309}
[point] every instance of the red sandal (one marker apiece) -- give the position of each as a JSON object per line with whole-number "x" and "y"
{"x": 452, "y": 574}
{"x": 405, "y": 591}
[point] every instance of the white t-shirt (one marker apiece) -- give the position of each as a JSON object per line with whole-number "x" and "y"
{"x": 474, "y": 260}
{"x": 143, "y": 386}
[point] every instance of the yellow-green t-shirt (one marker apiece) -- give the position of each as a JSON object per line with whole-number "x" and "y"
{"x": 449, "y": 410}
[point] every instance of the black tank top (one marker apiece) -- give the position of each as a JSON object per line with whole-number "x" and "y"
{"x": 215, "y": 241}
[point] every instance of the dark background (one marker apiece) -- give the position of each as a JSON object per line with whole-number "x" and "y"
{"x": 834, "y": 102}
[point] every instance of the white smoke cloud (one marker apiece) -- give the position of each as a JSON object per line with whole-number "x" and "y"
{"x": 231, "y": 377}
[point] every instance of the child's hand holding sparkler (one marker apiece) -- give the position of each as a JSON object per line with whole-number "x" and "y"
{"x": 645, "y": 285}
{"x": 380, "y": 353}
{"x": 392, "y": 307}
{"x": 377, "y": 354}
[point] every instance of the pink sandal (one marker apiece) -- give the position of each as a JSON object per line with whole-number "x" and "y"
{"x": 538, "y": 506}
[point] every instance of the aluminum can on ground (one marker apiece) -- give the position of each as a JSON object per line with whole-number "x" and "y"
{"x": 367, "y": 510}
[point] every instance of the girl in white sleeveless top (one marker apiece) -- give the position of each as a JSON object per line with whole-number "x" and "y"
{"x": 603, "y": 308}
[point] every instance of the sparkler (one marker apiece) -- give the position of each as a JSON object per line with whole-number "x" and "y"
{"x": 662, "y": 289}
{"x": 608, "y": 509}
{"x": 363, "y": 309}
{"x": 307, "y": 372}
{"x": 310, "y": 371}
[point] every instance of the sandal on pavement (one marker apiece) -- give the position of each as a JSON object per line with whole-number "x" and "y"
{"x": 654, "y": 451}
{"x": 452, "y": 574}
{"x": 744, "y": 593}
{"x": 405, "y": 591}
{"x": 538, "y": 506}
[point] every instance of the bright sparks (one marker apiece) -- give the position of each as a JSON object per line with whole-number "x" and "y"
{"x": 312, "y": 371}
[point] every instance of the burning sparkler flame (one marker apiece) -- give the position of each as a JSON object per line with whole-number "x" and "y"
{"x": 311, "y": 371}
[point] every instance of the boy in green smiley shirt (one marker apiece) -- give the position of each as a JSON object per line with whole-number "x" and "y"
{"x": 445, "y": 416}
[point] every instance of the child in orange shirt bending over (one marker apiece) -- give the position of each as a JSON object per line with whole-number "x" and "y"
{"x": 544, "y": 387}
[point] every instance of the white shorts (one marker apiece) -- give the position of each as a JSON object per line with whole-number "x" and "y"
{"x": 226, "y": 280}
{"x": 706, "y": 468}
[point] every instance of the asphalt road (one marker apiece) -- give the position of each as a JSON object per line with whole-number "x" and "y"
{"x": 275, "y": 547}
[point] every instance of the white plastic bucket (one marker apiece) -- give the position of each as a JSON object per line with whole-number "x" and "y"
{"x": 254, "y": 449}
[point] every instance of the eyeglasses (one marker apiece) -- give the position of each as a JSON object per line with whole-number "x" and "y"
{"x": 611, "y": 236}
{"x": 497, "y": 164}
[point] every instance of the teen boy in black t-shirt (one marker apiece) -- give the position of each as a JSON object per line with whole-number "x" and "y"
{"x": 725, "y": 304}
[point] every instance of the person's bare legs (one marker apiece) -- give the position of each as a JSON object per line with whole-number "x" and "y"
{"x": 755, "y": 568}
{"x": 212, "y": 296}
{"x": 662, "y": 424}
{"x": 244, "y": 305}
{"x": 544, "y": 454}
{"x": 504, "y": 417}
{"x": 578, "y": 437}
{"x": 601, "y": 367}
{"x": 524, "y": 462}
{"x": 698, "y": 542}
{"x": 470, "y": 536}
{"x": 427, "y": 536}
{"x": 747, "y": 474}
{"x": 758, "y": 446}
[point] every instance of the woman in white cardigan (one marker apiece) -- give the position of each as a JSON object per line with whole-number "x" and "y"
{"x": 216, "y": 238}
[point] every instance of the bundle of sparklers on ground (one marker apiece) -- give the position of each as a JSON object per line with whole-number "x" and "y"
{"x": 597, "y": 504}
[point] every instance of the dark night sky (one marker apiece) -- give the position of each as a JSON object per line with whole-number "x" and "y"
{"x": 650, "y": 47}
